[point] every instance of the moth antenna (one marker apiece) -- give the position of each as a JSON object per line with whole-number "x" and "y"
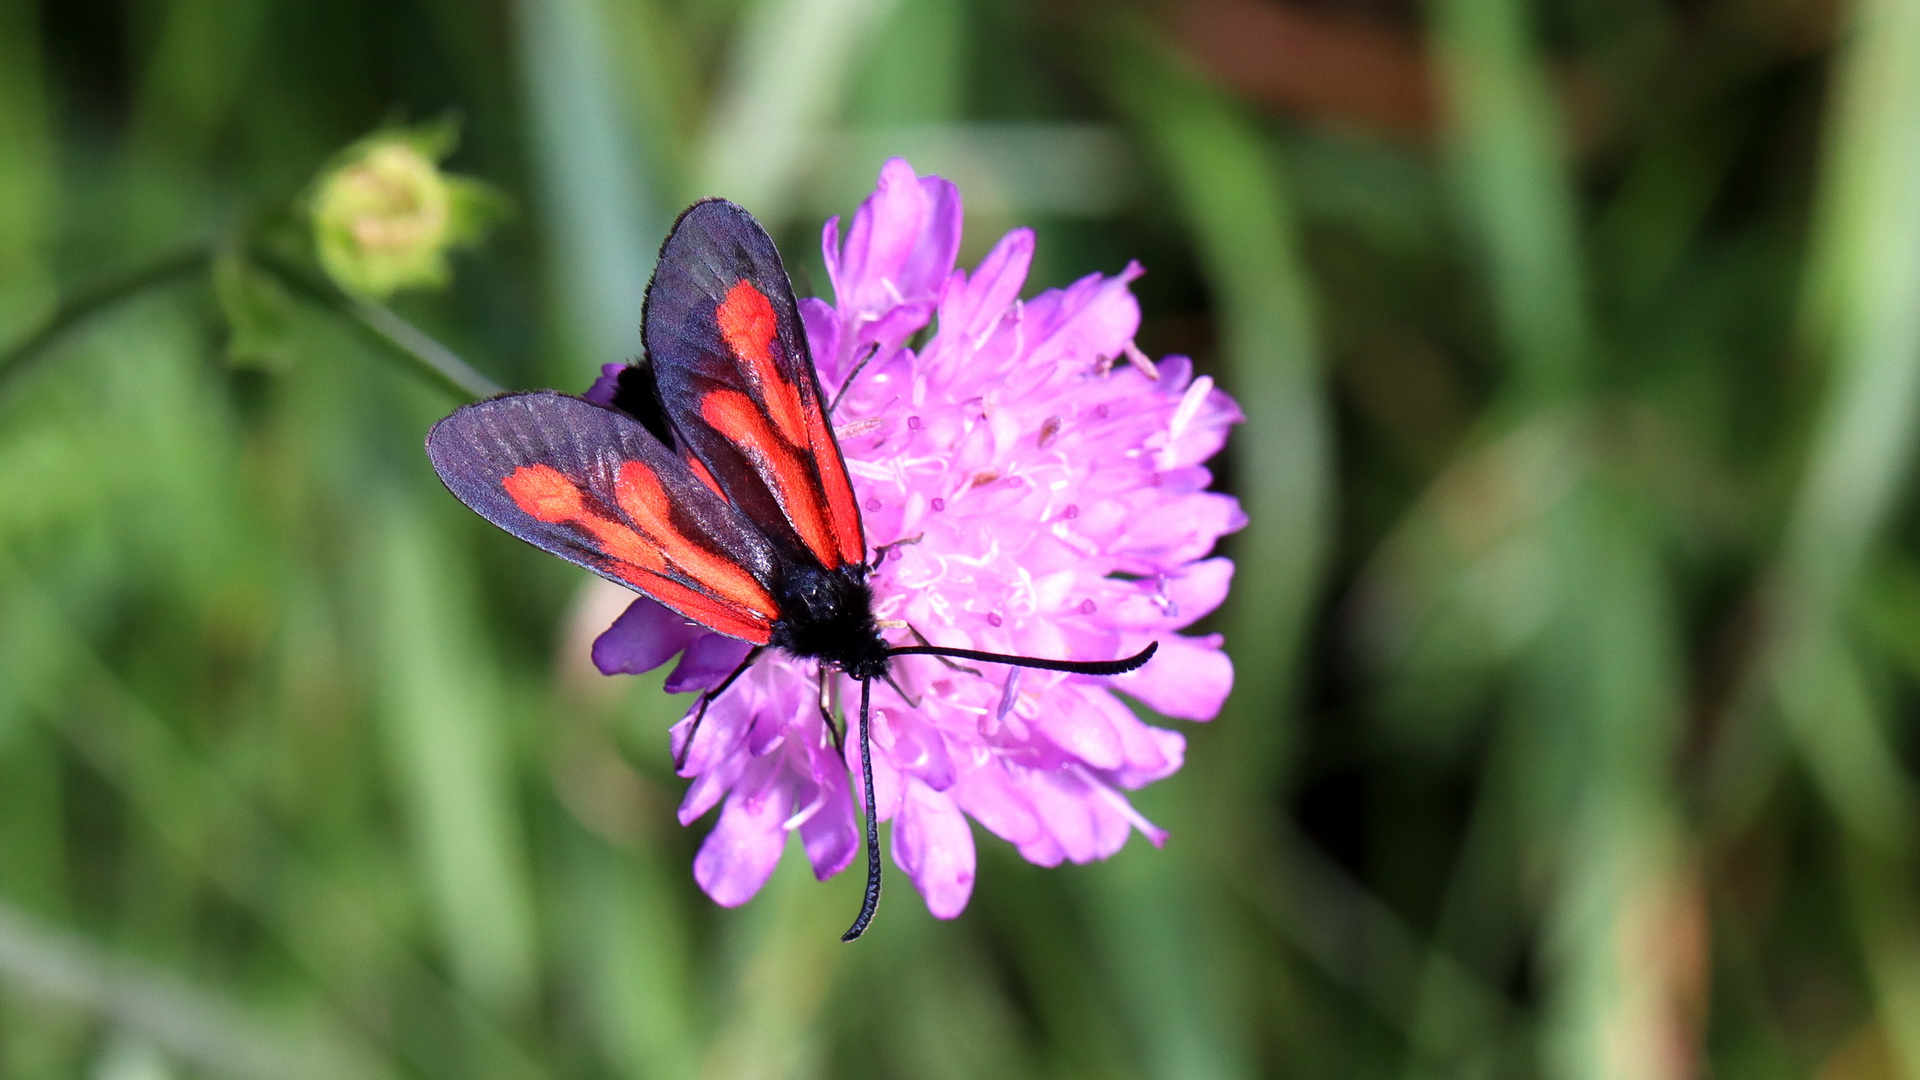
{"x": 1077, "y": 667}
{"x": 872, "y": 901}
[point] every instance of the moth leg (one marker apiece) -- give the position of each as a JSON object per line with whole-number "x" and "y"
{"x": 847, "y": 383}
{"x": 912, "y": 702}
{"x": 826, "y": 712}
{"x": 922, "y": 639}
{"x": 706, "y": 699}
{"x": 880, "y": 553}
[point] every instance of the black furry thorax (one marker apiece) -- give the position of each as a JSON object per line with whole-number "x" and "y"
{"x": 828, "y": 615}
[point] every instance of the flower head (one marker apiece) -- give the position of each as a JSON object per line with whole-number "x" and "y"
{"x": 385, "y": 217}
{"x": 1042, "y": 481}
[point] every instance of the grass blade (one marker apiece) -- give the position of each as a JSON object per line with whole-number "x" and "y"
{"x": 442, "y": 717}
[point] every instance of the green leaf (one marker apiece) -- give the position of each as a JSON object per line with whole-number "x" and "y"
{"x": 259, "y": 314}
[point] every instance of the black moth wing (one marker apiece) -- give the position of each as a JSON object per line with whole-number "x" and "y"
{"x": 716, "y": 246}
{"x": 478, "y": 447}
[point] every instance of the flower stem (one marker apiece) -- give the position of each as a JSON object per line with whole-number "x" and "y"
{"x": 428, "y": 357}
{"x": 423, "y": 348}
{"x": 82, "y": 306}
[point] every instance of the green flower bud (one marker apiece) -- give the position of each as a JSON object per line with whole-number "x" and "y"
{"x": 385, "y": 217}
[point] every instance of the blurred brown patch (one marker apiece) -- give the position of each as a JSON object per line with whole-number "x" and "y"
{"x": 1661, "y": 941}
{"x": 1358, "y": 72}
{"x": 1344, "y": 70}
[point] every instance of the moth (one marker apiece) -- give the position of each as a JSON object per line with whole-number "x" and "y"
{"x": 714, "y": 484}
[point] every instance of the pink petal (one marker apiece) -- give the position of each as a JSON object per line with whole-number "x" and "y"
{"x": 822, "y": 324}
{"x": 990, "y": 795}
{"x": 879, "y": 237}
{"x": 830, "y": 249}
{"x": 1155, "y": 835}
{"x": 918, "y": 750}
{"x": 829, "y": 833}
{"x": 932, "y": 844}
{"x": 645, "y": 636}
{"x": 708, "y": 659}
{"x": 892, "y": 326}
{"x": 925, "y": 271}
{"x": 719, "y": 755}
{"x": 740, "y": 853}
{"x": 1206, "y": 433}
{"x": 770, "y": 727}
{"x": 1147, "y": 753}
{"x": 601, "y": 392}
{"x": 1153, "y": 606}
{"x": 1095, "y": 322}
{"x": 1047, "y": 311}
{"x": 973, "y": 309}
{"x": 1181, "y": 532}
{"x": 1179, "y": 480}
{"x": 1067, "y": 813}
{"x": 901, "y": 245}
{"x": 1080, "y": 729}
{"x": 1042, "y": 850}
{"x": 708, "y": 788}
{"x": 1188, "y": 678}
{"x": 886, "y": 778}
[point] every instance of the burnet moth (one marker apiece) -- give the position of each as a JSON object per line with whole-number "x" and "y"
{"x": 714, "y": 484}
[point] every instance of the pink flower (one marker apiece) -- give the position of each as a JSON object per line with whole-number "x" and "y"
{"x": 1044, "y": 482}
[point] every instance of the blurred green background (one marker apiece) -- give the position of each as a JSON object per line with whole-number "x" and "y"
{"x": 1577, "y": 628}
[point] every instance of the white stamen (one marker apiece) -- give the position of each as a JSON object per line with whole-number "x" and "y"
{"x": 1189, "y": 407}
{"x": 1155, "y": 834}
{"x": 1140, "y": 360}
{"x": 801, "y": 816}
{"x": 859, "y": 427}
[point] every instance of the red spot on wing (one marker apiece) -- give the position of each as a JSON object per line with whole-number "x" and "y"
{"x": 733, "y": 415}
{"x": 546, "y": 494}
{"x": 748, "y": 325}
{"x": 643, "y": 499}
{"x": 700, "y": 470}
{"x": 842, "y": 511}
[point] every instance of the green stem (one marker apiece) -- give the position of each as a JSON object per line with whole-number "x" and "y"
{"x": 422, "y": 348}
{"x": 83, "y": 306}
{"x": 437, "y": 363}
